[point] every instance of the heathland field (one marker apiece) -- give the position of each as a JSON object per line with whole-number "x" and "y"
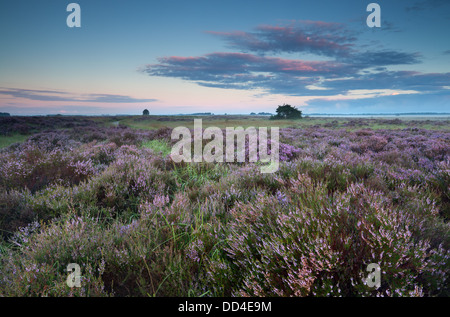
{"x": 103, "y": 193}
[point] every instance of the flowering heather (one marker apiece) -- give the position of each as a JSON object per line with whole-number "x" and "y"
{"x": 139, "y": 224}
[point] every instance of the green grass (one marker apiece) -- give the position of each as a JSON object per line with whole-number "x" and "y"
{"x": 159, "y": 146}
{"x": 6, "y": 141}
{"x": 198, "y": 174}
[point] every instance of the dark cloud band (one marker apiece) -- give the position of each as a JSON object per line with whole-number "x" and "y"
{"x": 54, "y": 95}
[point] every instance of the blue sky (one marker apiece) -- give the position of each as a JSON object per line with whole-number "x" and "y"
{"x": 172, "y": 57}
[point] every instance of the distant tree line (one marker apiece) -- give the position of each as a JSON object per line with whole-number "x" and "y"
{"x": 261, "y": 114}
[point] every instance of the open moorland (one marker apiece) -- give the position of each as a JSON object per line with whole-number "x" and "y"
{"x": 102, "y": 192}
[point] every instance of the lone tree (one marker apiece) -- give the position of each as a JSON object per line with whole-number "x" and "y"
{"x": 287, "y": 112}
{"x": 145, "y": 112}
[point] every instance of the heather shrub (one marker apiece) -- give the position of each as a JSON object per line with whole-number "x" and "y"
{"x": 34, "y": 166}
{"x": 238, "y": 184}
{"x": 38, "y": 267}
{"x": 15, "y": 211}
{"x": 35, "y": 124}
{"x": 131, "y": 178}
{"x": 125, "y": 138}
{"x": 148, "y": 255}
{"x": 336, "y": 175}
{"x": 96, "y": 178}
{"x": 375, "y": 143}
{"x": 29, "y": 279}
{"x": 439, "y": 183}
{"x": 313, "y": 247}
{"x": 145, "y": 256}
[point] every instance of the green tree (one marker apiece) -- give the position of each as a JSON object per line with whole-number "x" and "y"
{"x": 287, "y": 112}
{"x": 146, "y": 112}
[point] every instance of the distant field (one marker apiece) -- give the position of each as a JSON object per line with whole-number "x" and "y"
{"x": 157, "y": 122}
{"x": 17, "y": 129}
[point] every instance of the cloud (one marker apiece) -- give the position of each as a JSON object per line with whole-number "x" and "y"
{"x": 60, "y": 109}
{"x": 54, "y": 95}
{"x": 223, "y": 64}
{"x": 107, "y": 98}
{"x": 42, "y": 95}
{"x": 428, "y": 4}
{"x": 385, "y": 58}
{"x": 294, "y": 77}
{"x": 405, "y": 80}
{"x": 331, "y": 40}
{"x": 317, "y": 37}
{"x": 248, "y": 71}
{"x": 348, "y": 67}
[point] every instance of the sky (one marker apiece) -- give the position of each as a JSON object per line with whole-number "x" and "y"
{"x": 235, "y": 57}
